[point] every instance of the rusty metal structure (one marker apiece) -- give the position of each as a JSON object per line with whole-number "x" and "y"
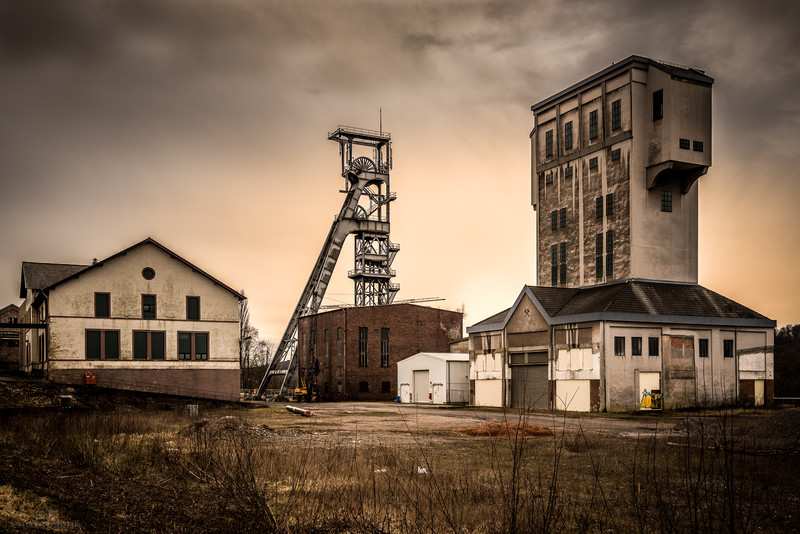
{"x": 366, "y": 159}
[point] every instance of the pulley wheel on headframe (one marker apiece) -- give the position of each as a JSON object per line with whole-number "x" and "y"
{"x": 362, "y": 164}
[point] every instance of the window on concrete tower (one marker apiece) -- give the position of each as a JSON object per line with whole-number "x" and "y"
{"x": 658, "y": 105}
{"x": 563, "y": 247}
{"x": 598, "y": 266}
{"x": 610, "y": 204}
{"x": 697, "y": 146}
{"x": 554, "y": 219}
{"x": 616, "y": 115}
{"x": 598, "y": 207}
{"x": 609, "y": 264}
{"x": 562, "y": 217}
{"x": 563, "y": 272}
{"x": 548, "y": 143}
{"x": 593, "y": 164}
{"x": 666, "y": 201}
{"x": 593, "y": 130}
{"x": 554, "y": 253}
{"x": 568, "y": 136}
{"x": 598, "y": 244}
{"x": 554, "y": 275}
{"x": 683, "y": 144}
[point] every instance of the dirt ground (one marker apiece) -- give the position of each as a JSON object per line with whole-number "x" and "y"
{"x": 126, "y": 462}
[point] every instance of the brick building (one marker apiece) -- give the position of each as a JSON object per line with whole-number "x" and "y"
{"x": 9, "y": 339}
{"x": 351, "y": 353}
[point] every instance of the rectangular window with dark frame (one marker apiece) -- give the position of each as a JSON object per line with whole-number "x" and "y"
{"x": 702, "y": 348}
{"x": 327, "y": 349}
{"x": 609, "y": 264}
{"x": 384, "y": 347}
{"x": 193, "y": 346}
{"x": 683, "y": 144}
{"x": 593, "y": 163}
{"x": 363, "y": 332}
{"x": 548, "y": 143}
{"x": 562, "y": 217}
{"x": 727, "y": 348}
{"x": 548, "y": 178}
{"x": 554, "y": 275}
{"x": 339, "y": 346}
{"x": 610, "y": 241}
{"x": 598, "y": 266}
{"x": 598, "y": 207}
{"x": 619, "y": 346}
{"x": 554, "y": 254}
{"x": 666, "y": 201}
{"x": 610, "y": 204}
{"x": 193, "y": 308}
{"x": 658, "y": 105}
{"x": 697, "y": 146}
{"x": 102, "y": 344}
{"x": 563, "y": 247}
{"x": 148, "y": 345}
{"x": 593, "y": 130}
{"x": 563, "y": 273}
{"x": 148, "y": 306}
{"x": 102, "y": 304}
{"x": 598, "y": 243}
{"x": 554, "y": 220}
{"x": 386, "y": 387}
{"x": 568, "y": 136}
{"x": 616, "y": 154}
{"x": 616, "y": 115}
{"x": 568, "y": 172}
{"x": 636, "y": 346}
{"x": 652, "y": 346}
{"x": 363, "y": 387}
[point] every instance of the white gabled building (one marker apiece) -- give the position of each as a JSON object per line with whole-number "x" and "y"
{"x": 143, "y": 319}
{"x": 434, "y": 378}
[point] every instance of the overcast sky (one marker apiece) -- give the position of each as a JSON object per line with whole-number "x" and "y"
{"x": 204, "y": 125}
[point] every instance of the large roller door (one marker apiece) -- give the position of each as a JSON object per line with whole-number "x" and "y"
{"x": 529, "y": 388}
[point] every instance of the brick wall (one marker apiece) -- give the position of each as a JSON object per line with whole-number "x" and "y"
{"x": 412, "y": 329}
{"x": 220, "y": 384}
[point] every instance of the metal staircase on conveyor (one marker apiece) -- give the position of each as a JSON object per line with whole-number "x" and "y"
{"x": 360, "y": 173}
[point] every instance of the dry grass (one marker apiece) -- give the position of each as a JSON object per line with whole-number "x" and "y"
{"x": 147, "y": 471}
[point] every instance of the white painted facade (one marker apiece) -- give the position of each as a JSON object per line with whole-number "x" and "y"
{"x": 68, "y": 309}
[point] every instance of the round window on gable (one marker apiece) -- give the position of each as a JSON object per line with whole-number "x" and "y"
{"x": 148, "y": 273}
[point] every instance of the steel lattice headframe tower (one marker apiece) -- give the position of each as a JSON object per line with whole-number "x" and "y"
{"x": 365, "y": 213}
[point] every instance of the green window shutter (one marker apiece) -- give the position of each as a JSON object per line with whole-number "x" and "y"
{"x": 140, "y": 345}
{"x": 157, "y": 345}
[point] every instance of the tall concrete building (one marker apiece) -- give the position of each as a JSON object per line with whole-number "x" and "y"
{"x": 615, "y": 161}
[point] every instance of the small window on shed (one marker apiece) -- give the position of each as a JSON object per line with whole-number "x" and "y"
{"x": 728, "y": 348}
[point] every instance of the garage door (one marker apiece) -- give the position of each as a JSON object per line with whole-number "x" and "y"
{"x": 529, "y": 387}
{"x": 422, "y": 386}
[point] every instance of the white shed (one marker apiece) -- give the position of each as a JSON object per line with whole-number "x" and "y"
{"x": 434, "y": 378}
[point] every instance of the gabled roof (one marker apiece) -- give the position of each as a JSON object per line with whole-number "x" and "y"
{"x": 632, "y": 300}
{"x": 62, "y": 272}
{"x": 442, "y": 356}
{"x": 676, "y": 71}
{"x": 12, "y": 307}
{"x": 38, "y": 276}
